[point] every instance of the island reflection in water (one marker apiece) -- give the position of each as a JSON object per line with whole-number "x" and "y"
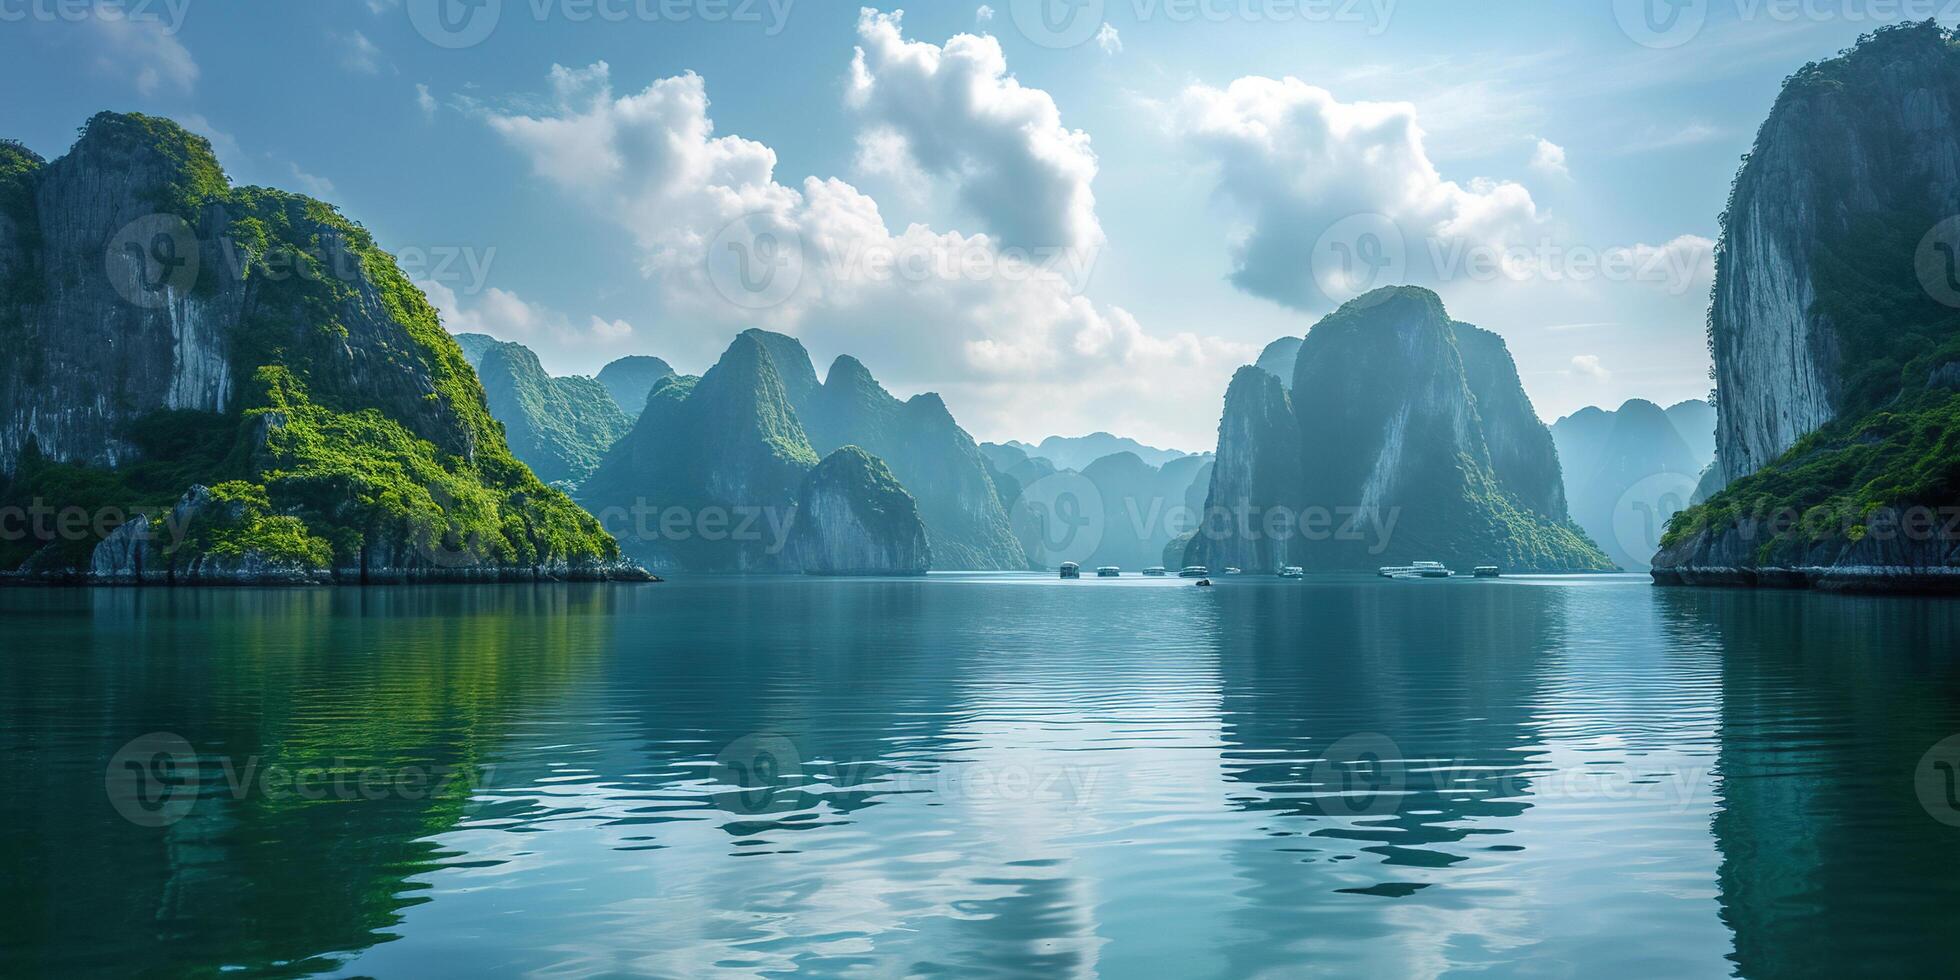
{"x": 998, "y": 774}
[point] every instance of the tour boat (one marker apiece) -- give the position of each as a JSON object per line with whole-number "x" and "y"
{"x": 1108, "y": 571}
{"x": 1194, "y": 571}
{"x": 1071, "y": 570}
{"x": 1485, "y": 571}
{"x": 1155, "y": 571}
{"x": 1292, "y": 571}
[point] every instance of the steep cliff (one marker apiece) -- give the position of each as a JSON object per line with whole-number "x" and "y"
{"x": 630, "y": 379}
{"x": 1257, "y": 469}
{"x": 707, "y": 480}
{"x": 1835, "y": 328}
{"x": 1522, "y": 454}
{"x": 1814, "y": 301}
{"x": 935, "y": 460}
{"x": 853, "y": 518}
{"x": 166, "y": 330}
{"x": 1395, "y": 409}
{"x": 560, "y": 427}
{"x": 1279, "y": 359}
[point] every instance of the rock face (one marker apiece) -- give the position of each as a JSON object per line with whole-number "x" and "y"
{"x": 630, "y": 379}
{"x": 708, "y": 478}
{"x": 1396, "y": 409}
{"x": 1628, "y": 471}
{"x": 1836, "y": 317}
{"x": 559, "y": 427}
{"x": 166, "y": 329}
{"x": 1866, "y": 139}
{"x": 935, "y": 460}
{"x": 853, "y": 518}
{"x": 1258, "y": 465}
{"x": 1279, "y": 358}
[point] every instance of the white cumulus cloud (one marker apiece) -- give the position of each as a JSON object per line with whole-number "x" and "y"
{"x": 1294, "y": 161}
{"x": 1007, "y": 339}
{"x": 1548, "y": 158}
{"x": 953, "y": 112}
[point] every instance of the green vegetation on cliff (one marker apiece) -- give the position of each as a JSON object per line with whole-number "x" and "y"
{"x": 354, "y": 423}
{"x": 1895, "y": 440}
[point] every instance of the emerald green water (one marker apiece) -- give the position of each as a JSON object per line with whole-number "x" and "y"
{"x": 979, "y": 774}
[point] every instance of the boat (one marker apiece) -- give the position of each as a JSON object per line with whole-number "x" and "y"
{"x": 1108, "y": 571}
{"x": 1485, "y": 571}
{"x": 1071, "y": 570}
{"x": 1292, "y": 571}
{"x": 1155, "y": 571}
{"x": 1421, "y": 569}
{"x": 1230, "y": 570}
{"x": 1194, "y": 571}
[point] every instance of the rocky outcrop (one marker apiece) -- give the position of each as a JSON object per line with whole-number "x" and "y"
{"x": 853, "y": 518}
{"x": 560, "y": 427}
{"x": 1522, "y": 453}
{"x": 630, "y": 379}
{"x": 165, "y": 328}
{"x": 1396, "y": 409}
{"x": 1835, "y": 312}
{"x": 708, "y": 477}
{"x": 1868, "y": 139}
{"x": 1894, "y": 559}
{"x": 1257, "y": 469}
{"x": 1279, "y": 359}
{"x": 932, "y": 457}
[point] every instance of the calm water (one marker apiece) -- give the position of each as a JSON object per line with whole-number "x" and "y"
{"x": 1004, "y": 775}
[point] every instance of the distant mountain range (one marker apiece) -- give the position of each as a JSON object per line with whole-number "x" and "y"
{"x": 1077, "y": 452}
{"x": 1628, "y": 471}
{"x": 1118, "y": 510}
{"x": 746, "y": 435}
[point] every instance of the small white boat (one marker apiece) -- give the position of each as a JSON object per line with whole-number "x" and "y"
{"x": 1108, "y": 571}
{"x": 1230, "y": 570}
{"x": 1292, "y": 571}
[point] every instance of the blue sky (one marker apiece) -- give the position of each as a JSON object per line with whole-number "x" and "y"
{"x": 1182, "y": 176}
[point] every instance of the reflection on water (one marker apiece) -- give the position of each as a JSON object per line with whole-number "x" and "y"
{"x": 986, "y": 774}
